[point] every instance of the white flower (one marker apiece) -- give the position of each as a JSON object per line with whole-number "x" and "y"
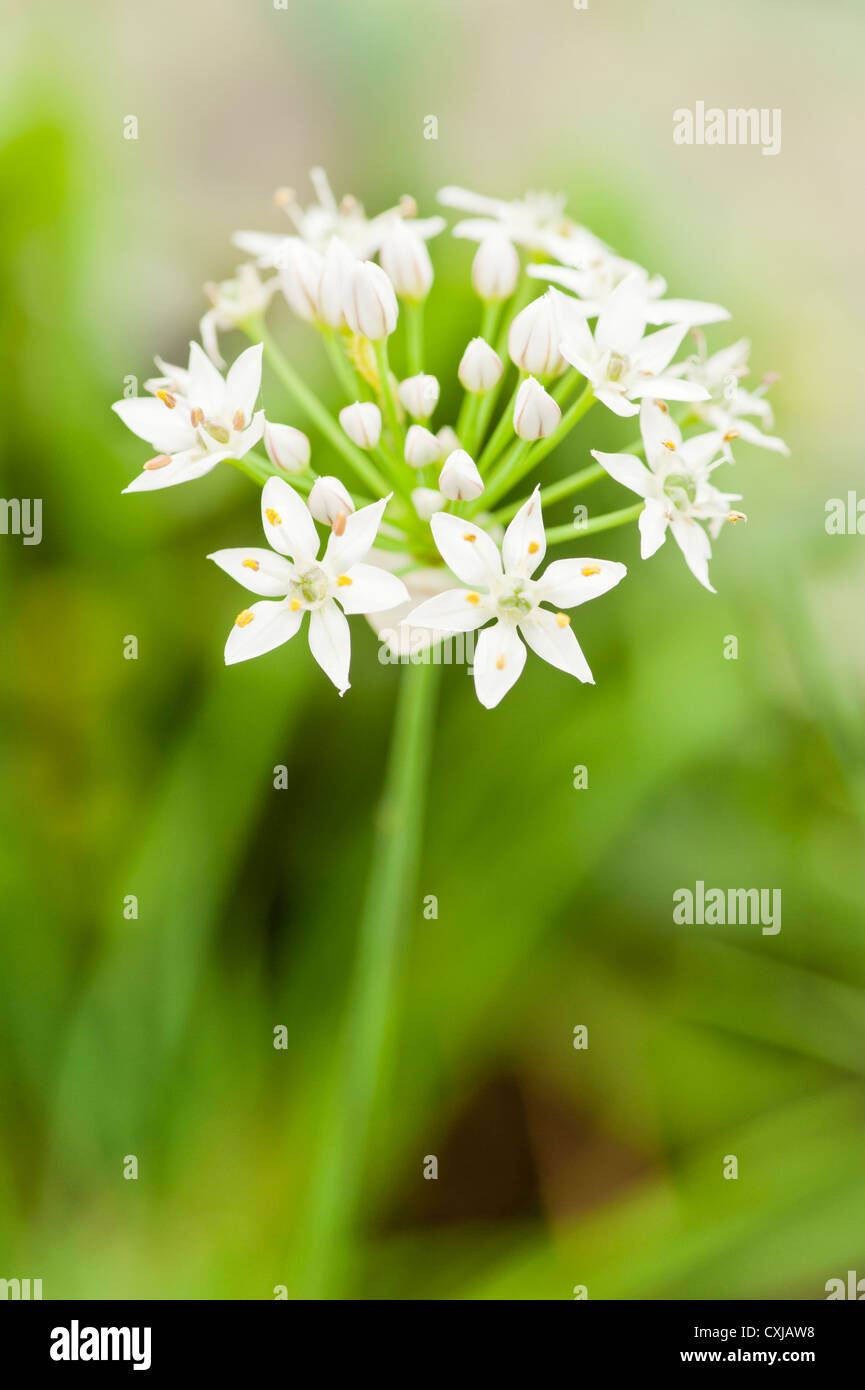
{"x": 480, "y": 367}
{"x": 404, "y": 255}
{"x": 448, "y": 441}
{"x": 330, "y": 503}
{"x": 370, "y": 303}
{"x": 233, "y": 303}
{"x": 495, "y": 268}
{"x": 536, "y": 221}
{"x": 730, "y": 403}
{"x": 426, "y": 501}
{"x": 460, "y": 480}
{"x": 596, "y": 282}
{"x": 618, "y": 360}
{"x": 362, "y": 423}
{"x": 421, "y": 447}
{"x": 501, "y": 587}
{"x": 675, "y": 486}
{"x": 419, "y": 395}
{"x": 174, "y": 380}
{"x": 535, "y": 334}
{"x": 316, "y": 224}
{"x": 327, "y": 587}
{"x": 287, "y": 448}
{"x": 536, "y": 414}
{"x": 214, "y": 420}
{"x": 334, "y": 282}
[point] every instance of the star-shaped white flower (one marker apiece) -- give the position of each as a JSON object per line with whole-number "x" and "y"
{"x": 214, "y": 419}
{"x": 676, "y": 487}
{"x": 501, "y": 588}
{"x": 292, "y": 573}
{"x": 537, "y": 221}
{"x": 622, "y": 364}
{"x": 730, "y": 403}
{"x": 595, "y": 282}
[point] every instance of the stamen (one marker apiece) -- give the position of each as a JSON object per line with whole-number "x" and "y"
{"x": 295, "y": 604}
{"x": 160, "y": 461}
{"x": 501, "y": 663}
{"x": 668, "y": 444}
{"x": 533, "y": 547}
{"x": 196, "y": 417}
{"x": 244, "y": 619}
{"x": 251, "y": 565}
{"x": 237, "y": 422}
{"x": 273, "y": 517}
{"x": 563, "y": 620}
{"x": 737, "y": 516}
{"x": 731, "y": 434}
{"x": 473, "y": 598}
{"x": 167, "y": 398}
{"x": 470, "y": 536}
{"x": 283, "y": 196}
{"x": 590, "y": 569}
{"x": 344, "y": 580}
{"x": 662, "y": 405}
{"x": 339, "y": 523}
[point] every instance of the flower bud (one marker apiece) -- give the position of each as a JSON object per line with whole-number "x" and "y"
{"x": 362, "y": 423}
{"x": 419, "y": 395}
{"x": 370, "y": 303}
{"x": 534, "y": 337}
{"x": 287, "y": 448}
{"x": 447, "y": 438}
{"x": 427, "y": 501}
{"x": 421, "y": 447}
{"x": 330, "y": 503}
{"x": 459, "y": 479}
{"x": 336, "y": 271}
{"x": 495, "y": 268}
{"x": 406, "y": 260}
{"x": 299, "y": 273}
{"x": 480, "y": 368}
{"x": 535, "y": 412}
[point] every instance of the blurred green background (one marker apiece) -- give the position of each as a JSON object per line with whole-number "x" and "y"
{"x": 154, "y": 777}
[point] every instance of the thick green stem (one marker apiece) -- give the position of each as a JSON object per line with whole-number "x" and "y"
{"x": 503, "y": 433}
{"x": 414, "y": 337}
{"x": 391, "y": 414}
{"x": 385, "y": 921}
{"x": 571, "y": 532}
{"x": 340, "y": 363}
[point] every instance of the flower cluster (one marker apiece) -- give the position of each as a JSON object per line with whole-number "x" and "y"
{"x": 428, "y": 503}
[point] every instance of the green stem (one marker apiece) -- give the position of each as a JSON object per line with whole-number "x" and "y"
{"x": 319, "y": 414}
{"x": 570, "y": 532}
{"x": 520, "y": 460}
{"x": 340, "y": 363}
{"x": 385, "y": 390}
{"x": 385, "y": 921}
{"x": 414, "y": 337}
{"x": 574, "y": 482}
{"x": 503, "y": 432}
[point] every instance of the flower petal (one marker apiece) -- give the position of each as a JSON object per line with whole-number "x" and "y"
{"x": 370, "y": 590}
{"x": 669, "y": 388}
{"x": 659, "y": 430}
{"x": 182, "y": 469}
{"x": 568, "y": 583}
{"x": 694, "y": 543}
{"x": 653, "y": 527}
{"x": 499, "y": 660}
{"x": 658, "y": 349}
{"x": 260, "y": 571}
{"x": 330, "y": 643}
{"x": 525, "y": 544}
{"x": 167, "y": 430}
{"x": 456, "y": 610}
{"x": 288, "y": 526}
{"x": 626, "y": 469}
{"x": 357, "y": 538}
{"x": 617, "y": 403}
{"x": 261, "y": 628}
{"x": 554, "y": 641}
{"x": 243, "y": 382}
{"x": 206, "y": 387}
{"x": 466, "y": 549}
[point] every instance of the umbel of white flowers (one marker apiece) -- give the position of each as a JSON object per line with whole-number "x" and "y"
{"x": 421, "y": 501}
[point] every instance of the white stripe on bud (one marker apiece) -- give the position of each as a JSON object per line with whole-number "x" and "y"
{"x": 362, "y": 423}
{"x": 421, "y": 447}
{"x": 459, "y": 479}
{"x": 370, "y": 303}
{"x": 287, "y": 448}
{"x": 535, "y": 412}
{"x": 534, "y": 337}
{"x": 419, "y": 395}
{"x": 480, "y": 367}
{"x": 495, "y": 269}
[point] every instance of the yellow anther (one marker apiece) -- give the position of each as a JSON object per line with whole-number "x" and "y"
{"x": 295, "y": 604}
{"x": 343, "y": 580}
{"x": 339, "y": 523}
{"x": 590, "y": 569}
{"x": 562, "y": 620}
{"x": 662, "y": 406}
{"x": 533, "y": 547}
{"x": 668, "y": 444}
{"x": 237, "y": 422}
{"x": 737, "y": 516}
{"x": 167, "y": 398}
{"x": 244, "y": 619}
{"x": 731, "y": 434}
{"x": 196, "y": 417}
{"x": 251, "y": 565}
{"x": 160, "y": 461}
{"x": 500, "y": 663}
{"x": 470, "y": 536}
{"x": 273, "y": 517}
{"x": 473, "y": 598}
{"x": 283, "y": 196}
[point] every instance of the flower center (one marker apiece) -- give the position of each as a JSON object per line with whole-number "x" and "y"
{"x": 617, "y": 366}
{"x": 515, "y": 601}
{"x": 312, "y": 585}
{"x": 680, "y": 489}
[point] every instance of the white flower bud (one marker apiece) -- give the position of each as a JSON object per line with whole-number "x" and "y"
{"x": 287, "y": 448}
{"x": 419, "y": 395}
{"x": 495, "y": 268}
{"x": 370, "y": 303}
{"x": 459, "y": 479}
{"x": 421, "y": 447}
{"x": 362, "y": 423}
{"x": 447, "y": 438}
{"x": 406, "y": 259}
{"x": 427, "y": 501}
{"x": 299, "y": 274}
{"x": 534, "y": 337}
{"x": 480, "y": 368}
{"x": 336, "y": 271}
{"x": 535, "y": 412}
{"x": 330, "y": 503}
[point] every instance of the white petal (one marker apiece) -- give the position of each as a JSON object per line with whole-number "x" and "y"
{"x": 615, "y": 401}
{"x": 183, "y": 468}
{"x": 567, "y": 583}
{"x": 206, "y": 387}
{"x": 456, "y": 610}
{"x": 555, "y": 642}
{"x": 372, "y": 590}
{"x": 167, "y": 429}
{"x": 499, "y": 659}
{"x": 622, "y": 321}
{"x": 658, "y": 349}
{"x": 466, "y": 549}
{"x": 658, "y": 429}
{"x": 653, "y": 527}
{"x": 626, "y": 469}
{"x": 330, "y": 643}
{"x": 243, "y": 382}
{"x": 256, "y": 569}
{"x": 695, "y": 545}
{"x": 288, "y": 526}
{"x": 525, "y": 544}
{"x": 670, "y": 388}
{"x": 688, "y": 311}
{"x": 270, "y": 625}
{"x": 357, "y": 538}
{"x": 248, "y": 438}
